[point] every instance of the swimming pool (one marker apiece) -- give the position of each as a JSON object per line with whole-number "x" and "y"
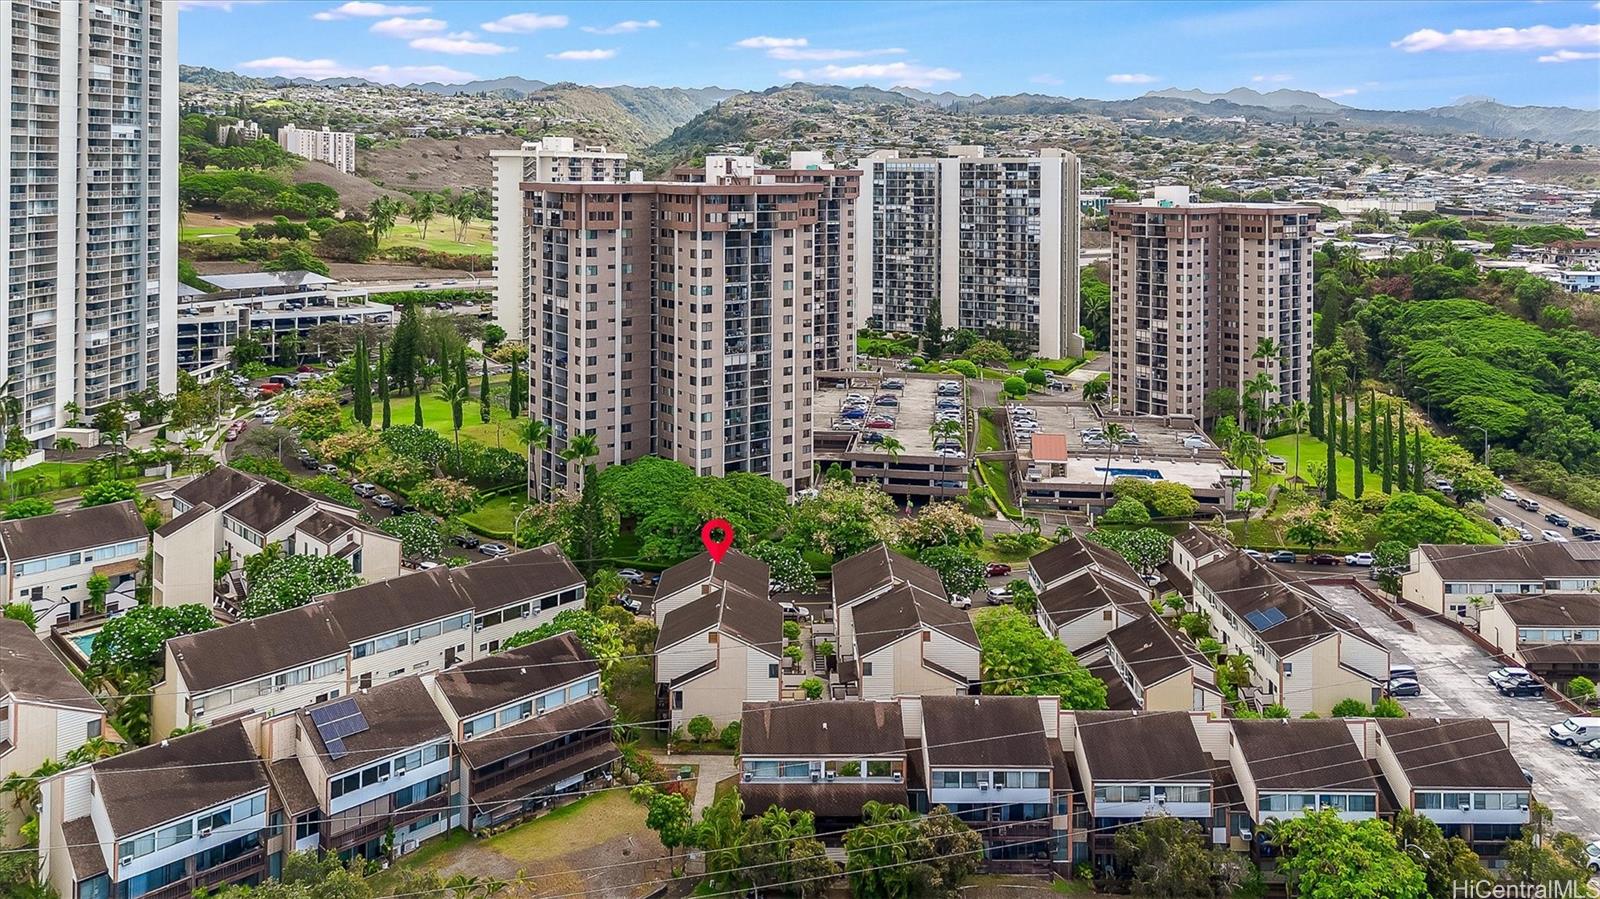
{"x": 84, "y": 642}
{"x": 1149, "y": 474}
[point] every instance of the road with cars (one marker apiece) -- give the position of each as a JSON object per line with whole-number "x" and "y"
{"x": 1547, "y": 516}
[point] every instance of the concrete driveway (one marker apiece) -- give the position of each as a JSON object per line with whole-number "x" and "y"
{"x": 1454, "y": 673}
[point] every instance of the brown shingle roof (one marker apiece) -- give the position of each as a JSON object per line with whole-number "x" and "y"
{"x": 399, "y": 714}
{"x": 984, "y": 731}
{"x": 180, "y": 522}
{"x": 753, "y": 620}
{"x": 158, "y": 783}
{"x": 1142, "y": 746}
{"x": 593, "y": 713}
{"x": 1199, "y": 541}
{"x": 888, "y": 617}
{"x": 1118, "y": 694}
{"x": 256, "y": 647}
{"x": 47, "y": 535}
{"x": 1559, "y": 610}
{"x": 218, "y": 487}
{"x": 1450, "y": 753}
{"x": 494, "y": 681}
{"x": 1300, "y": 754}
{"x": 1247, "y": 586}
{"x": 816, "y": 729}
{"x": 736, "y": 568}
{"x": 1076, "y": 553}
{"x": 1151, "y": 650}
{"x": 324, "y": 525}
{"x": 30, "y": 672}
{"x": 84, "y": 848}
{"x": 499, "y": 582}
{"x": 876, "y": 569}
{"x": 372, "y": 610}
{"x": 1515, "y": 562}
{"x": 1088, "y": 592}
{"x": 294, "y": 791}
{"x": 269, "y": 507}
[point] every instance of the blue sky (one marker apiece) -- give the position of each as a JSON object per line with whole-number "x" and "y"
{"x": 1392, "y": 55}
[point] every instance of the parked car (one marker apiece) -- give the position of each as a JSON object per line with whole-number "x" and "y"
{"x": 1364, "y": 560}
{"x": 494, "y": 549}
{"x": 950, "y": 454}
{"x": 854, "y": 412}
{"x": 1527, "y": 505}
{"x": 364, "y": 489}
{"x": 1403, "y": 687}
{"x": 1500, "y": 521}
{"x": 403, "y": 509}
{"x": 1525, "y": 535}
{"x": 886, "y": 400}
{"x": 466, "y": 541}
{"x": 1521, "y": 686}
{"x": 894, "y": 384}
{"x": 1592, "y": 853}
{"x": 1283, "y": 555}
{"x": 1508, "y": 495}
{"x": 1256, "y": 554}
{"x": 961, "y": 602}
{"x": 1575, "y": 730}
{"x": 996, "y": 569}
{"x": 792, "y": 612}
{"x": 1500, "y": 675}
{"x": 383, "y": 500}
{"x": 999, "y": 596}
{"x": 1590, "y": 750}
{"x": 630, "y": 603}
{"x": 1553, "y": 536}
{"x": 1582, "y": 530}
{"x": 880, "y": 422}
{"x": 1323, "y": 559}
{"x": 1557, "y": 519}
{"x": 1402, "y": 672}
{"x": 328, "y": 468}
{"x": 310, "y": 463}
{"x": 631, "y": 575}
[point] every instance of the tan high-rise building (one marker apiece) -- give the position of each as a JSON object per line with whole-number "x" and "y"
{"x": 1198, "y": 291}
{"x": 990, "y": 243}
{"x": 336, "y": 148}
{"x": 677, "y": 318}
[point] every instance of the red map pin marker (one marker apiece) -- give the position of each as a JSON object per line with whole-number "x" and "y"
{"x": 716, "y": 545}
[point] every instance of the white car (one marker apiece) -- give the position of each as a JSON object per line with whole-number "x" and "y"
{"x": 365, "y": 489}
{"x": 1501, "y": 675}
{"x": 999, "y": 596}
{"x": 1591, "y": 852}
{"x": 1553, "y": 536}
{"x": 1508, "y": 495}
{"x": 950, "y": 454}
{"x": 962, "y": 602}
{"x": 1363, "y": 560}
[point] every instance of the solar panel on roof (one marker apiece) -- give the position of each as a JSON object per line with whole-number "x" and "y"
{"x": 336, "y": 749}
{"x": 339, "y": 708}
{"x": 338, "y": 720}
{"x": 1263, "y": 619}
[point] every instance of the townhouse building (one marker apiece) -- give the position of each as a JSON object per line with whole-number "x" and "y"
{"x": 909, "y": 642}
{"x": 872, "y": 573}
{"x": 1459, "y": 580}
{"x": 1134, "y": 765}
{"x": 1198, "y": 289}
{"x": 530, "y": 726}
{"x": 1085, "y": 591}
{"x": 1195, "y": 547}
{"x": 986, "y": 243}
{"x": 828, "y": 759}
{"x": 48, "y": 561}
{"x": 231, "y": 514}
{"x": 700, "y": 574}
{"x": 716, "y": 653}
{"x": 1284, "y": 767}
{"x": 45, "y": 713}
{"x": 1146, "y": 666}
{"x": 1304, "y": 656}
{"x": 1554, "y": 635}
{"x": 354, "y": 639}
{"x": 1458, "y": 773}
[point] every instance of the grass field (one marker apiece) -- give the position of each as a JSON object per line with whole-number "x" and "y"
{"x": 500, "y": 431}
{"x": 441, "y": 233}
{"x": 988, "y": 434}
{"x": 496, "y": 516}
{"x": 1314, "y": 450}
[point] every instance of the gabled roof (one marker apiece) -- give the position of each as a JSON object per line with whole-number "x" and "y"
{"x": 1557, "y": 610}
{"x": 1142, "y": 746}
{"x": 500, "y": 582}
{"x": 1514, "y": 562}
{"x": 749, "y": 573}
{"x": 30, "y": 672}
{"x": 256, "y": 647}
{"x": 62, "y": 532}
{"x": 372, "y": 610}
{"x": 218, "y": 487}
{"x": 398, "y": 715}
{"x": 497, "y": 680}
{"x": 1152, "y": 651}
{"x": 1199, "y": 541}
{"x": 1452, "y": 753}
{"x": 180, "y": 522}
{"x": 756, "y": 621}
{"x": 269, "y": 507}
{"x": 1302, "y": 754}
{"x": 1076, "y": 553}
{"x": 984, "y": 731}
{"x": 818, "y": 729}
{"x": 585, "y": 715}
{"x": 175, "y": 777}
{"x": 877, "y": 569}
{"x": 1282, "y": 616}
{"x": 325, "y": 526}
{"x": 904, "y": 610}
{"x": 1090, "y": 591}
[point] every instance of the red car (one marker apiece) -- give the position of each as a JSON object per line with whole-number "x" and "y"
{"x": 1323, "y": 559}
{"x": 305, "y": 368}
{"x": 996, "y": 569}
{"x": 880, "y": 423}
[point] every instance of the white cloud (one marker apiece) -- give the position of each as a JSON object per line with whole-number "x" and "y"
{"x": 626, "y": 26}
{"x": 909, "y": 74}
{"x": 1131, "y": 78}
{"x": 460, "y": 42}
{"x": 763, "y": 42}
{"x": 1276, "y": 78}
{"x": 1536, "y": 37}
{"x": 581, "y": 55}
{"x": 1052, "y": 80}
{"x": 224, "y": 5}
{"x": 1339, "y": 92}
{"x": 407, "y": 28}
{"x": 290, "y": 67}
{"x": 822, "y": 54}
{"x": 1570, "y": 56}
{"x": 525, "y": 22}
{"x": 362, "y": 9}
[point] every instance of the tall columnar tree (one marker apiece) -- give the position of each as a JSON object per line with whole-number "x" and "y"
{"x": 1416, "y": 460}
{"x": 1372, "y": 428}
{"x": 1388, "y": 450}
{"x": 1344, "y": 424}
{"x": 416, "y": 404}
{"x": 1316, "y": 406}
{"x": 360, "y": 383}
{"x": 1331, "y": 491}
{"x": 483, "y": 392}
{"x": 514, "y": 396}
{"x": 1359, "y": 485}
{"x": 1402, "y": 468}
{"x": 383, "y": 384}
{"x": 406, "y": 346}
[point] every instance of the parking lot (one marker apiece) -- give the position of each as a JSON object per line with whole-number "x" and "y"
{"x": 1453, "y": 672}
{"x": 913, "y": 412}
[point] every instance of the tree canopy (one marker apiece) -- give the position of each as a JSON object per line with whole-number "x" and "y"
{"x": 1020, "y": 659}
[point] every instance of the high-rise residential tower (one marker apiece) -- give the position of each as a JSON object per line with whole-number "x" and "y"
{"x": 90, "y": 244}
{"x": 991, "y": 243}
{"x": 549, "y": 159}
{"x": 336, "y": 148}
{"x": 1208, "y": 296}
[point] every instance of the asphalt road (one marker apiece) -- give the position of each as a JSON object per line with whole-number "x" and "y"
{"x": 1534, "y": 521}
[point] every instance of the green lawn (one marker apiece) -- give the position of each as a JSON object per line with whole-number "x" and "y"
{"x": 495, "y": 516}
{"x": 500, "y": 431}
{"x": 1314, "y": 450}
{"x": 1054, "y": 366}
{"x": 441, "y": 237}
{"x": 999, "y": 486}
{"x": 214, "y": 232}
{"x": 988, "y": 434}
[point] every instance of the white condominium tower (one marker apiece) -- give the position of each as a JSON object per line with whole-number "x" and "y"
{"x": 336, "y": 148}
{"x": 1197, "y": 292}
{"x": 549, "y": 159}
{"x": 90, "y": 291}
{"x": 991, "y": 243}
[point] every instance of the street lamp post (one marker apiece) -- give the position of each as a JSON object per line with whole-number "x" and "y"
{"x": 516, "y": 524}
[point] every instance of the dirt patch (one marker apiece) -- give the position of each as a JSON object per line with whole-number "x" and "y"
{"x": 354, "y": 190}
{"x": 426, "y": 163}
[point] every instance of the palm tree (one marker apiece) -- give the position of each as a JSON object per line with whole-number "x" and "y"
{"x": 1114, "y": 434}
{"x": 1299, "y": 415}
{"x": 581, "y": 448}
{"x": 1257, "y": 389}
{"x": 1095, "y": 392}
{"x": 454, "y": 393}
{"x": 942, "y": 429}
{"x": 421, "y": 211}
{"x": 891, "y": 447}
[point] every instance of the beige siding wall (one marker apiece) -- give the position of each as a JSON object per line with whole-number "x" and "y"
{"x": 168, "y": 709}
{"x": 415, "y": 658}
{"x": 380, "y": 557}
{"x": 1497, "y": 627}
{"x": 1175, "y": 694}
{"x": 1422, "y": 585}
{"x": 942, "y": 649}
{"x": 665, "y": 604}
{"x": 685, "y": 656}
{"x": 720, "y": 694}
{"x": 182, "y": 564}
{"x": 1086, "y": 629}
{"x": 1319, "y": 682}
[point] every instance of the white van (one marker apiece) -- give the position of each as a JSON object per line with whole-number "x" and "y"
{"x": 1576, "y": 730}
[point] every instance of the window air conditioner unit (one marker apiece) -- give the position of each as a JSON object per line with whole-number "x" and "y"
{"x": 747, "y": 777}
{"x": 1466, "y": 807}
{"x": 205, "y": 831}
{"x": 832, "y": 775}
{"x": 898, "y": 777}
{"x": 999, "y": 787}
{"x": 383, "y": 777}
{"x": 815, "y": 776}
{"x": 983, "y": 785}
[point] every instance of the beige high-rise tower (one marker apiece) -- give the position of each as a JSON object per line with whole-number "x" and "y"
{"x": 1208, "y": 296}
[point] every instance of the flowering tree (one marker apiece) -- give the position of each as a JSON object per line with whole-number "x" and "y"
{"x": 291, "y": 581}
{"x": 419, "y": 534}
